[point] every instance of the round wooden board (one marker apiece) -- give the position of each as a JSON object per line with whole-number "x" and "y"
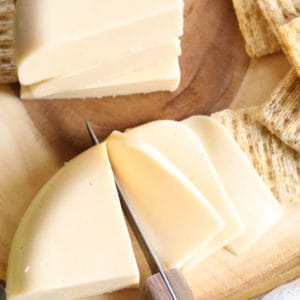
{"x": 213, "y": 65}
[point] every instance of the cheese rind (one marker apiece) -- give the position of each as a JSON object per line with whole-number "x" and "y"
{"x": 161, "y": 77}
{"x": 175, "y": 216}
{"x": 100, "y": 74}
{"x": 56, "y": 38}
{"x": 73, "y": 241}
{"x": 253, "y": 200}
{"x": 181, "y": 146}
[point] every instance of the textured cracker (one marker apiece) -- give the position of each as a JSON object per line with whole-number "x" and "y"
{"x": 277, "y": 164}
{"x": 290, "y": 39}
{"x": 8, "y": 72}
{"x": 279, "y": 12}
{"x": 281, "y": 113}
{"x": 258, "y": 37}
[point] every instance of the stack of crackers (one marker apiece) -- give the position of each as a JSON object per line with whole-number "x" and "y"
{"x": 270, "y": 135}
{"x": 8, "y": 71}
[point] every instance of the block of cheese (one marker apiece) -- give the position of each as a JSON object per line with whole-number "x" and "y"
{"x": 57, "y": 37}
{"x": 164, "y": 76}
{"x": 253, "y": 200}
{"x": 73, "y": 241}
{"x": 175, "y": 216}
{"x": 181, "y": 146}
{"x": 98, "y": 75}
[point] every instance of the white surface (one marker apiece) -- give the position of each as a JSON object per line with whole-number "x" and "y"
{"x": 289, "y": 291}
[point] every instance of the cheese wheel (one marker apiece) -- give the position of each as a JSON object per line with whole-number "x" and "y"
{"x": 73, "y": 241}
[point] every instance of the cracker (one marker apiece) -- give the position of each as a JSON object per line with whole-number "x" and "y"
{"x": 8, "y": 72}
{"x": 290, "y": 37}
{"x": 279, "y": 12}
{"x": 281, "y": 113}
{"x": 276, "y": 163}
{"x": 258, "y": 37}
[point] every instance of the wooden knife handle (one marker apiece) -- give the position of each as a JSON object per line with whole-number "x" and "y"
{"x": 2, "y": 290}
{"x": 156, "y": 289}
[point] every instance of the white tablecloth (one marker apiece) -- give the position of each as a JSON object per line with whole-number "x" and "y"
{"x": 289, "y": 291}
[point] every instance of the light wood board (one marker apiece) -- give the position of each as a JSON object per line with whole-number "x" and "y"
{"x": 216, "y": 74}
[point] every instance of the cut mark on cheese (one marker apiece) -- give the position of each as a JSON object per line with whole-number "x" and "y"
{"x": 253, "y": 200}
{"x": 75, "y": 223}
{"x": 181, "y": 146}
{"x": 164, "y": 77}
{"x": 175, "y": 216}
{"x": 107, "y": 73}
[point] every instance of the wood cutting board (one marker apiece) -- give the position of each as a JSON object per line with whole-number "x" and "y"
{"x": 216, "y": 73}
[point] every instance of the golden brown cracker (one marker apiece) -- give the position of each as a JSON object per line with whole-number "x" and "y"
{"x": 281, "y": 113}
{"x": 277, "y": 164}
{"x": 259, "y": 39}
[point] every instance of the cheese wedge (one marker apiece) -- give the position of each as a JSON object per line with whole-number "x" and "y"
{"x": 100, "y": 74}
{"x": 253, "y": 200}
{"x": 73, "y": 241}
{"x": 161, "y": 77}
{"x": 181, "y": 146}
{"x": 57, "y": 37}
{"x": 175, "y": 216}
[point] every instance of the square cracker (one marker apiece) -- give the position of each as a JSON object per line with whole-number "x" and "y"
{"x": 290, "y": 38}
{"x": 258, "y": 37}
{"x": 281, "y": 113}
{"x": 276, "y": 163}
{"x": 279, "y": 12}
{"x": 283, "y": 17}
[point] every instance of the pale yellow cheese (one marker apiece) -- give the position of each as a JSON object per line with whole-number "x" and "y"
{"x": 164, "y": 76}
{"x": 57, "y": 37}
{"x": 253, "y": 200}
{"x": 175, "y": 216}
{"x": 104, "y": 74}
{"x": 73, "y": 241}
{"x": 181, "y": 146}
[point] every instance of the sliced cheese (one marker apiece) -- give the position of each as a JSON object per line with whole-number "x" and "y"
{"x": 98, "y": 75}
{"x": 73, "y": 241}
{"x": 182, "y": 147}
{"x": 253, "y": 200}
{"x": 57, "y": 37}
{"x": 164, "y": 76}
{"x": 175, "y": 216}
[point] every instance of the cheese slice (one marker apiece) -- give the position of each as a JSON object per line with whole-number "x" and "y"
{"x": 175, "y": 216}
{"x": 181, "y": 146}
{"x": 253, "y": 200}
{"x": 99, "y": 74}
{"x": 161, "y": 77}
{"x": 57, "y": 37}
{"x": 73, "y": 241}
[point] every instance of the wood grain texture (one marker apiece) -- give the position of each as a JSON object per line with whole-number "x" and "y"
{"x": 213, "y": 67}
{"x": 212, "y": 64}
{"x": 156, "y": 289}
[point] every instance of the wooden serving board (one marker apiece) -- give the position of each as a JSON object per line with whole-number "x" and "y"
{"x": 216, "y": 73}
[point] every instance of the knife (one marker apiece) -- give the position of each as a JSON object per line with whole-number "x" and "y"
{"x": 2, "y": 290}
{"x": 164, "y": 285}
